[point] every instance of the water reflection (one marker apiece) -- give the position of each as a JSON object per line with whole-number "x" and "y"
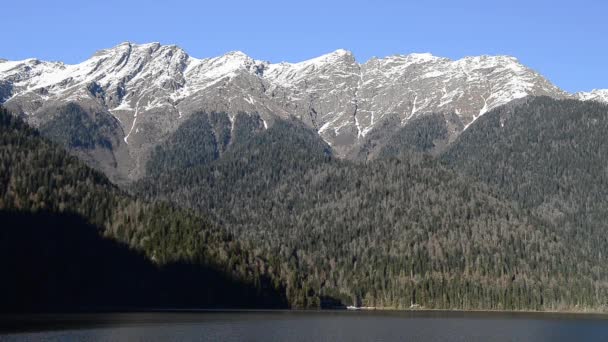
{"x": 318, "y": 326}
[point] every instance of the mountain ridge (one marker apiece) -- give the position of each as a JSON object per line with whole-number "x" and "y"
{"x": 150, "y": 89}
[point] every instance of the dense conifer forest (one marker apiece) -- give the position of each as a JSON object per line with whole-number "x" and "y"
{"x": 549, "y": 156}
{"x": 400, "y": 230}
{"x": 70, "y": 240}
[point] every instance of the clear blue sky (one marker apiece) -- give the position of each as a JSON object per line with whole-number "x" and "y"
{"x": 567, "y": 41}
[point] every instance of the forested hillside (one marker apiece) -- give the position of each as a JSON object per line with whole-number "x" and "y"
{"x": 390, "y": 233}
{"x": 429, "y": 133}
{"x": 70, "y": 240}
{"x": 200, "y": 140}
{"x": 550, "y": 156}
{"x": 509, "y": 216}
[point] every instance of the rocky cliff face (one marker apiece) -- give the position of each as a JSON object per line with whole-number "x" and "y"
{"x": 149, "y": 90}
{"x": 345, "y": 100}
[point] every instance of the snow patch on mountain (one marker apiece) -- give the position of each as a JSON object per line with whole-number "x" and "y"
{"x": 599, "y": 95}
{"x": 152, "y": 84}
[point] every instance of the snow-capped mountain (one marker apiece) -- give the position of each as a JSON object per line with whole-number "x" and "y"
{"x": 151, "y": 89}
{"x": 345, "y": 100}
{"x": 600, "y": 95}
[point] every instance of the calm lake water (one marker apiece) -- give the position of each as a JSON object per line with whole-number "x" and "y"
{"x": 306, "y": 326}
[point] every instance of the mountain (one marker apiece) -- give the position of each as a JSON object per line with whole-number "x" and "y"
{"x": 599, "y": 95}
{"x": 136, "y": 96}
{"x": 548, "y": 155}
{"x": 70, "y": 240}
{"x": 405, "y": 231}
{"x": 437, "y": 209}
{"x": 401, "y": 229}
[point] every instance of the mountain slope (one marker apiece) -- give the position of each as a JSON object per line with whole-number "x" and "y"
{"x": 542, "y": 152}
{"x": 390, "y": 233}
{"x": 65, "y": 224}
{"x": 549, "y": 155}
{"x": 149, "y": 90}
{"x": 430, "y": 133}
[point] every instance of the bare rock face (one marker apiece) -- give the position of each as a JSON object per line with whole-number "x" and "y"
{"x": 150, "y": 90}
{"x": 345, "y": 100}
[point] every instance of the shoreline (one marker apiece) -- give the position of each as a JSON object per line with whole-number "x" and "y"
{"x": 126, "y": 311}
{"x": 569, "y": 312}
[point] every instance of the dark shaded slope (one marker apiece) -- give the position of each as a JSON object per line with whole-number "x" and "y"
{"x": 59, "y": 262}
{"x": 94, "y": 136}
{"x": 72, "y": 127}
{"x": 51, "y": 202}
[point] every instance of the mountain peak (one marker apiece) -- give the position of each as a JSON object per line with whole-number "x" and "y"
{"x": 341, "y": 52}
{"x": 133, "y": 44}
{"x": 335, "y": 55}
{"x": 235, "y": 58}
{"x": 599, "y": 95}
{"x": 127, "y": 47}
{"x": 489, "y": 59}
{"x": 342, "y": 99}
{"x": 422, "y": 57}
{"x": 405, "y": 60}
{"x": 237, "y": 54}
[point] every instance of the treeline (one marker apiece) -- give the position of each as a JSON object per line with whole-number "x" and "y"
{"x": 395, "y": 232}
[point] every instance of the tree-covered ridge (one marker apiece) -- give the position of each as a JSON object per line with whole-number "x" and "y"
{"x": 255, "y": 164}
{"x": 539, "y": 151}
{"x": 39, "y": 178}
{"x": 550, "y": 156}
{"x": 389, "y": 233}
{"x": 200, "y": 140}
{"x": 430, "y": 133}
{"x": 75, "y": 128}
{"x": 37, "y": 175}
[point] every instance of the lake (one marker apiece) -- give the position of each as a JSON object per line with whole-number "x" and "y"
{"x": 306, "y": 326}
